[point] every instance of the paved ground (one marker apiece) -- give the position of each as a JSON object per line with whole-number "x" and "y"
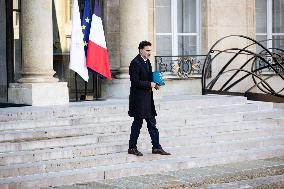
{"x": 259, "y": 174}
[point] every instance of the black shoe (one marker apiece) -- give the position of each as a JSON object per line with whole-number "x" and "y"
{"x": 134, "y": 151}
{"x": 160, "y": 151}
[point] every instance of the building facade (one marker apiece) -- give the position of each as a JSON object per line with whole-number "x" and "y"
{"x": 42, "y": 31}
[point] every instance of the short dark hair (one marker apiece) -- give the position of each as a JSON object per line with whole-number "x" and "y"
{"x": 142, "y": 44}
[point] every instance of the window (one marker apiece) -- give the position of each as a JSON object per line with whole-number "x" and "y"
{"x": 270, "y": 22}
{"x": 177, "y": 27}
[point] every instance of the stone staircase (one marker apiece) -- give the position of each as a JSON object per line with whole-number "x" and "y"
{"x": 256, "y": 174}
{"x": 88, "y": 141}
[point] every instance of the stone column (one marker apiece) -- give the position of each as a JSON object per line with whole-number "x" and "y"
{"x": 37, "y": 42}
{"x": 133, "y": 25}
{"x": 133, "y": 29}
{"x": 37, "y": 85}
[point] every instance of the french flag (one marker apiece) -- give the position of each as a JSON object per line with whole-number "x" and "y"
{"x": 97, "y": 57}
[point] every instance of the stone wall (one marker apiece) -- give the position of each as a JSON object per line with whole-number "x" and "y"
{"x": 223, "y": 18}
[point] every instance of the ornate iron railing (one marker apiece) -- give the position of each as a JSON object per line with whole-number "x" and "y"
{"x": 243, "y": 71}
{"x": 181, "y": 66}
{"x": 278, "y": 56}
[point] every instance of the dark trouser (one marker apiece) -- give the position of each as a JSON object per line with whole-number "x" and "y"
{"x": 152, "y": 129}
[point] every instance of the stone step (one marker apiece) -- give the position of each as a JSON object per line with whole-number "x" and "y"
{"x": 122, "y": 115}
{"x": 102, "y": 118}
{"x": 53, "y": 121}
{"x": 182, "y": 107}
{"x": 222, "y": 109}
{"x": 121, "y": 157}
{"x": 201, "y": 103}
{"x": 113, "y": 106}
{"x": 121, "y": 145}
{"x": 199, "y": 177}
{"x": 131, "y": 169}
{"x": 276, "y": 181}
{"x": 198, "y": 137}
{"x": 107, "y": 138}
{"x": 106, "y": 118}
{"x": 116, "y": 127}
{"x": 255, "y": 115}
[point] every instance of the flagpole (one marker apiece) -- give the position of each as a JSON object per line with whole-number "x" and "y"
{"x": 98, "y": 89}
{"x": 85, "y": 90}
{"x": 76, "y": 90}
{"x": 94, "y": 85}
{"x": 97, "y": 86}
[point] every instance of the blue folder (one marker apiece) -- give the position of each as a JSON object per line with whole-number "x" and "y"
{"x": 158, "y": 78}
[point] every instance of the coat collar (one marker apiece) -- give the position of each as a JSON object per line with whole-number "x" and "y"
{"x": 141, "y": 61}
{"x": 140, "y": 58}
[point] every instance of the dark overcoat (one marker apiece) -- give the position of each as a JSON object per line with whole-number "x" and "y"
{"x": 141, "y": 103}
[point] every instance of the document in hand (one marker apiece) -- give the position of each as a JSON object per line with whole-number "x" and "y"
{"x": 158, "y": 78}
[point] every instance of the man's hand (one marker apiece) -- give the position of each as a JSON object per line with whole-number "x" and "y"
{"x": 153, "y": 85}
{"x": 157, "y": 87}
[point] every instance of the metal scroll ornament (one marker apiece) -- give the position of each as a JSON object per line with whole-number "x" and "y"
{"x": 184, "y": 66}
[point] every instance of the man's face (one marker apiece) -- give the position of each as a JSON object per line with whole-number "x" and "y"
{"x": 146, "y": 52}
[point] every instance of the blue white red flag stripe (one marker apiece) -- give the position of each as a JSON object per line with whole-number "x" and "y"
{"x": 97, "y": 56}
{"x": 86, "y": 23}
